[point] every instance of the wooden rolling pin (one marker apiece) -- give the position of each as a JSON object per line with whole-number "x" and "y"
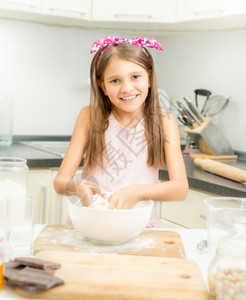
{"x": 221, "y": 169}
{"x": 215, "y": 157}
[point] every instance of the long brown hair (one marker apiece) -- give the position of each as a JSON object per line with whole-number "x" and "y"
{"x": 100, "y": 106}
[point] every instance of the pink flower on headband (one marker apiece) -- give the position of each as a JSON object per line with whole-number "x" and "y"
{"x": 137, "y": 41}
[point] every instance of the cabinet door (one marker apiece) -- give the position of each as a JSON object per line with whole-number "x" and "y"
{"x": 134, "y": 11}
{"x": 202, "y": 9}
{"x": 22, "y": 5}
{"x": 188, "y": 213}
{"x": 39, "y": 185}
{"x": 51, "y": 208}
{"x": 58, "y": 211}
{"x": 78, "y": 9}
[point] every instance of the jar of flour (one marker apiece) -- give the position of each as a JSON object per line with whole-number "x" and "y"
{"x": 13, "y": 181}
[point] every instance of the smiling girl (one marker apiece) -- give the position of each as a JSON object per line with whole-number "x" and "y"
{"x": 125, "y": 136}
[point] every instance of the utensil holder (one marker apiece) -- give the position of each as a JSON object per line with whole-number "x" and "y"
{"x": 212, "y": 139}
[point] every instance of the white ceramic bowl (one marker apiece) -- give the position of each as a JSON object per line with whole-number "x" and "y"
{"x": 109, "y": 226}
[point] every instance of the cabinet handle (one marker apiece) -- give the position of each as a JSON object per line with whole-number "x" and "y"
{"x": 207, "y": 12}
{"x": 82, "y": 13}
{"x": 45, "y": 198}
{"x": 203, "y": 216}
{"x": 19, "y": 3}
{"x": 132, "y": 16}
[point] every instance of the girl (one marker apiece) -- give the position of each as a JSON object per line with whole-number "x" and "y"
{"x": 125, "y": 136}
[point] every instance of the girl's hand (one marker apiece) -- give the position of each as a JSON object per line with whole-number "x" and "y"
{"x": 84, "y": 194}
{"x": 124, "y": 198}
{"x": 77, "y": 188}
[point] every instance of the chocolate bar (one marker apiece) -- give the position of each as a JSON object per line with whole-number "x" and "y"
{"x": 37, "y": 263}
{"x": 31, "y": 274}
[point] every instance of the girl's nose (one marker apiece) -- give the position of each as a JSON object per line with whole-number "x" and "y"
{"x": 126, "y": 86}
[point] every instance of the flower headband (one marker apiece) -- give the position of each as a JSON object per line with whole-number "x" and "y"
{"x": 137, "y": 41}
{"x": 103, "y": 45}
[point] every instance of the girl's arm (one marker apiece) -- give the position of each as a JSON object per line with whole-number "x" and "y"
{"x": 174, "y": 189}
{"x": 64, "y": 182}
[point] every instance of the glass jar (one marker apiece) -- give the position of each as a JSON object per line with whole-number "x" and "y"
{"x": 227, "y": 271}
{"x": 13, "y": 181}
{"x": 1, "y": 258}
{"x": 5, "y": 120}
{"x": 221, "y": 213}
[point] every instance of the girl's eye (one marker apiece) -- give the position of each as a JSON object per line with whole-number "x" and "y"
{"x": 135, "y": 76}
{"x": 114, "y": 80}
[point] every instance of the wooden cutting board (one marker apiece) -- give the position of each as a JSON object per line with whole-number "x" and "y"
{"x": 113, "y": 276}
{"x": 149, "y": 242}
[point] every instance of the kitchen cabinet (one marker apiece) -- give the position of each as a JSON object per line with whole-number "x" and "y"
{"x": 157, "y": 16}
{"x": 26, "y": 10}
{"x": 188, "y": 213}
{"x": 39, "y": 184}
{"x": 55, "y": 12}
{"x": 188, "y": 10}
{"x": 162, "y": 11}
{"x": 22, "y": 5}
{"x": 51, "y": 208}
{"x": 77, "y": 9}
{"x": 58, "y": 212}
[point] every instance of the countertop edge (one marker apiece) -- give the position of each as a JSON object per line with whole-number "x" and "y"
{"x": 198, "y": 178}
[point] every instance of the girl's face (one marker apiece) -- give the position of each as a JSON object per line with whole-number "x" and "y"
{"x": 126, "y": 84}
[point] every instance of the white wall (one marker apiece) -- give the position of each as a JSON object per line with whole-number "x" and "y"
{"x": 46, "y": 70}
{"x": 215, "y": 61}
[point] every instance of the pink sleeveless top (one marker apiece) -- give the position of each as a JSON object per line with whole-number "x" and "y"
{"x": 126, "y": 163}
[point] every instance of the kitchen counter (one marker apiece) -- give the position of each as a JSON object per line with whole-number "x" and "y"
{"x": 198, "y": 178}
{"x": 211, "y": 183}
{"x": 35, "y": 158}
{"x": 190, "y": 239}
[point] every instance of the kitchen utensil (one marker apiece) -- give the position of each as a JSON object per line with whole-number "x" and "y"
{"x": 107, "y": 276}
{"x": 221, "y": 213}
{"x": 214, "y": 105}
{"x": 185, "y": 121}
{"x": 150, "y": 243}
{"x": 213, "y": 140}
{"x": 202, "y": 92}
{"x": 215, "y": 157}
{"x": 109, "y": 226}
{"x": 221, "y": 169}
{"x": 184, "y": 111}
{"x": 194, "y": 110}
{"x": 192, "y": 144}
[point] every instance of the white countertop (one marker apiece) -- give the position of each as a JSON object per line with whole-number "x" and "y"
{"x": 190, "y": 238}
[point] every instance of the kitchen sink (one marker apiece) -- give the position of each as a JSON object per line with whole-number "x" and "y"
{"x": 54, "y": 147}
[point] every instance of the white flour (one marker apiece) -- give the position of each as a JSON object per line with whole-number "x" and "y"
{"x": 8, "y": 187}
{"x": 74, "y": 240}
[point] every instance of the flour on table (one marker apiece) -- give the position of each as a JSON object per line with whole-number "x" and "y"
{"x": 73, "y": 239}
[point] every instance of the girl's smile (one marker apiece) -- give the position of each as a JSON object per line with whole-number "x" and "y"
{"x": 129, "y": 98}
{"x": 126, "y": 84}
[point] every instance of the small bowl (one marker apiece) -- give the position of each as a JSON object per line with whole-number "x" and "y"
{"x": 109, "y": 226}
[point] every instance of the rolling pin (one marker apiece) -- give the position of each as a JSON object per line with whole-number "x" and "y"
{"x": 216, "y": 157}
{"x": 221, "y": 169}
